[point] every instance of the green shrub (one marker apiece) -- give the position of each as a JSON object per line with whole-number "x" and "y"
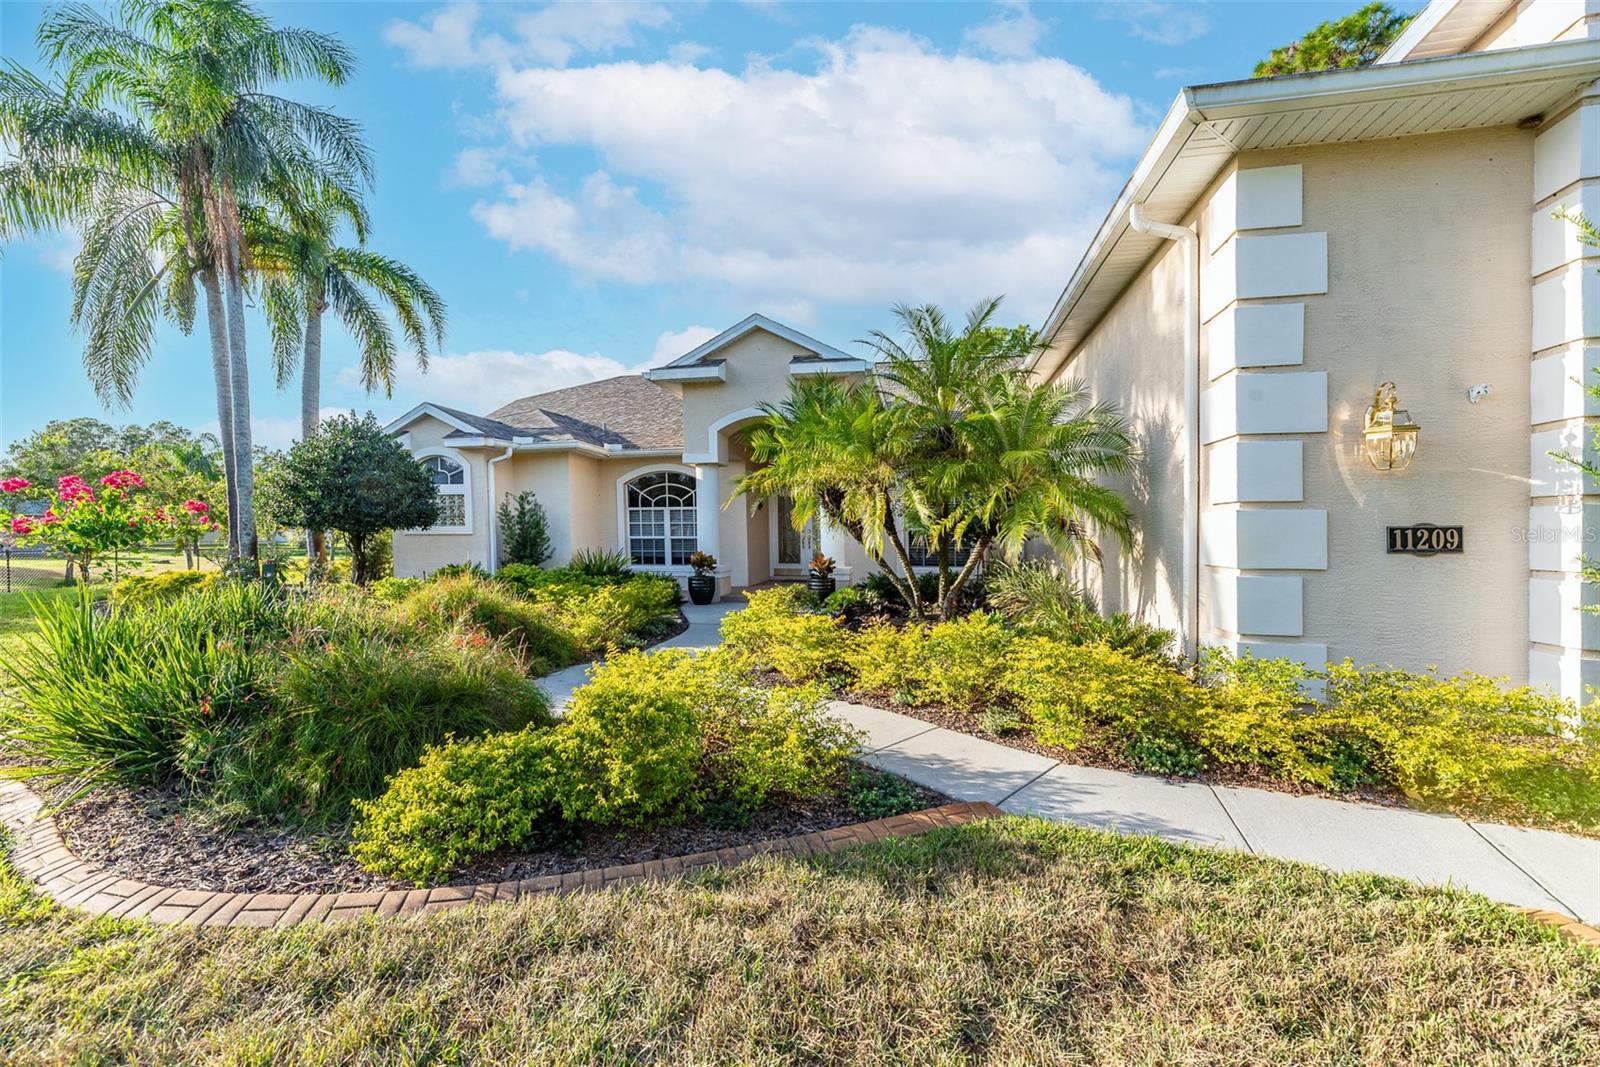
{"x": 530, "y": 630}
{"x": 1256, "y": 717}
{"x": 116, "y": 698}
{"x": 1070, "y": 690}
{"x": 844, "y": 601}
{"x": 599, "y": 563}
{"x": 457, "y": 570}
{"x": 1169, "y": 755}
{"x": 1467, "y": 742}
{"x": 629, "y": 744}
{"x": 524, "y": 530}
{"x": 887, "y": 659}
{"x": 759, "y": 743}
{"x": 461, "y": 800}
{"x": 393, "y": 590}
{"x": 144, "y": 588}
{"x": 960, "y": 661}
{"x": 608, "y": 615}
{"x": 1031, "y": 592}
{"x": 347, "y": 712}
{"x": 777, "y": 632}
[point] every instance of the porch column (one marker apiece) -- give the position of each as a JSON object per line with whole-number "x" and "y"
{"x": 835, "y": 545}
{"x": 708, "y": 509}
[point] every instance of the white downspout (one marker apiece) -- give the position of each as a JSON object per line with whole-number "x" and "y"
{"x": 1191, "y": 414}
{"x": 494, "y": 532}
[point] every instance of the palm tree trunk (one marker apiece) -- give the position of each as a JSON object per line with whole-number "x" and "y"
{"x": 311, "y": 402}
{"x": 217, "y": 324}
{"x": 239, "y": 373}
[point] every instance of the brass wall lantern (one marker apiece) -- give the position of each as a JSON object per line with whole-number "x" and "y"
{"x": 1391, "y": 436}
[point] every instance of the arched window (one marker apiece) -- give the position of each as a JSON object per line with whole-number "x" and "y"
{"x": 450, "y": 482}
{"x": 661, "y": 519}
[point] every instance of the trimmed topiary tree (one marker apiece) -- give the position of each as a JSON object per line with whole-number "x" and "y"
{"x": 352, "y": 477}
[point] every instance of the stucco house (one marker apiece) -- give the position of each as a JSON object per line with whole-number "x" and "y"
{"x": 645, "y": 464}
{"x": 1284, "y": 247}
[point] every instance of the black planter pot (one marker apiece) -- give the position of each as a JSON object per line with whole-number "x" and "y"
{"x": 821, "y": 588}
{"x": 702, "y": 588}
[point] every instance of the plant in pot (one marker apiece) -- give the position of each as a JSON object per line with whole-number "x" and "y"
{"x": 820, "y": 578}
{"x": 703, "y": 582}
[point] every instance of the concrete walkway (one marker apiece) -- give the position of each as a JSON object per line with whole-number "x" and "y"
{"x": 1528, "y": 868}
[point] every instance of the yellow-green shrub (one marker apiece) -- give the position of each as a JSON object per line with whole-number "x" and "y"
{"x": 461, "y": 800}
{"x": 629, "y": 744}
{"x": 1069, "y": 689}
{"x": 887, "y": 659}
{"x": 606, "y": 615}
{"x": 760, "y": 743}
{"x": 1255, "y": 715}
{"x": 779, "y": 632}
{"x": 961, "y": 660}
{"x": 531, "y": 631}
{"x": 1468, "y": 742}
{"x": 147, "y": 588}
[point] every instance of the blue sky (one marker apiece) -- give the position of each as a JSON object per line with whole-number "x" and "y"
{"x": 597, "y": 187}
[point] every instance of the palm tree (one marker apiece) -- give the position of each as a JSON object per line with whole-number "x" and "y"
{"x": 950, "y": 432}
{"x": 305, "y": 273}
{"x": 168, "y": 98}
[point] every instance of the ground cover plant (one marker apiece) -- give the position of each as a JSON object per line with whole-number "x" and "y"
{"x": 1009, "y": 941}
{"x": 650, "y": 740}
{"x": 1467, "y": 744}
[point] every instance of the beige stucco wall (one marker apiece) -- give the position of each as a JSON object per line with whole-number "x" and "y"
{"x": 757, "y": 373}
{"x": 1531, "y": 22}
{"x": 417, "y": 553}
{"x": 1428, "y": 258}
{"x": 1134, "y": 358}
{"x": 547, "y": 477}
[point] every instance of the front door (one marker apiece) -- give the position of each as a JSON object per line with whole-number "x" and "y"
{"x": 795, "y": 547}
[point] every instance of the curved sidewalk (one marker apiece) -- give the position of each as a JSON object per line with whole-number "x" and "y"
{"x": 1529, "y": 868}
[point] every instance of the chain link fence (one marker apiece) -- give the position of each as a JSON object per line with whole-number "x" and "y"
{"x": 36, "y": 567}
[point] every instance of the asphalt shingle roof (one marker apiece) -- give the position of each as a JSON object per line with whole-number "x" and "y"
{"x": 626, "y": 411}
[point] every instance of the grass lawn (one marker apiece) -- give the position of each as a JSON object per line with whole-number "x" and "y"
{"x": 1007, "y": 942}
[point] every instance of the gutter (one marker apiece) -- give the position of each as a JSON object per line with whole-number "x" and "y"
{"x": 1139, "y": 223}
{"x": 494, "y": 539}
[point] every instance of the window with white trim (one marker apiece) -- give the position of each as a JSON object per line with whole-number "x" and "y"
{"x": 450, "y": 482}
{"x": 922, "y": 554}
{"x": 661, "y": 519}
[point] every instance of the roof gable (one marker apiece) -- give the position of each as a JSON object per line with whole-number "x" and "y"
{"x": 704, "y": 352}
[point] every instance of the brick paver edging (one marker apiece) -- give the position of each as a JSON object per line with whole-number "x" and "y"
{"x": 40, "y": 853}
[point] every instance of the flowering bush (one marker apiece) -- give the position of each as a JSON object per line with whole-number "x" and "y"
{"x": 83, "y": 523}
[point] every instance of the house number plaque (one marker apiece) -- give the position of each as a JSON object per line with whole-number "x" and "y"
{"x": 1425, "y": 539}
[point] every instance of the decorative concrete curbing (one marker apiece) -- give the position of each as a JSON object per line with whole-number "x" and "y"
{"x": 39, "y": 853}
{"x": 1565, "y": 925}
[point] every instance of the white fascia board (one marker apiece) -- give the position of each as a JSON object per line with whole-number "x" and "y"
{"x": 619, "y": 452}
{"x": 757, "y": 322}
{"x": 716, "y": 372}
{"x": 799, "y": 368}
{"x": 1262, "y": 96}
{"x": 436, "y": 412}
{"x": 1417, "y": 31}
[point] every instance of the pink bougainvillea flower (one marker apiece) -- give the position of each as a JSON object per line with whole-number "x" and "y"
{"x": 197, "y": 507}
{"x": 73, "y": 490}
{"x": 15, "y": 485}
{"x": 123, "y": 480}
{"x": 49, "y": 518}
{"x": 21, "y": 525}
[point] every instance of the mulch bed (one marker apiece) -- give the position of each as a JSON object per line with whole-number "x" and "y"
{"x": 1090, "y": 754}
{"x": 146, "y": 835}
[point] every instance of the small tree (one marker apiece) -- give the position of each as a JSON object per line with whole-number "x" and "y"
{"x": 80, "y": 521}
{"x": 351, "y": 477}
{"x": 524, "y": 530}
{"x": 1353, "y": 41}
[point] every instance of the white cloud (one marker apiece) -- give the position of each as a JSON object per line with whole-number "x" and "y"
{"x": 688, "y": 53}
{"x": 482, "y": 381}
{"x": 1013, "y": 32}
{"x": 891, "y": 171}
{"x": 277, "y": 431}
{"x": 477, "y": 166}
{"x": 1159, "y": 21}
{"x": 674, "y": 343}
{"x": 555, "y": 34}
